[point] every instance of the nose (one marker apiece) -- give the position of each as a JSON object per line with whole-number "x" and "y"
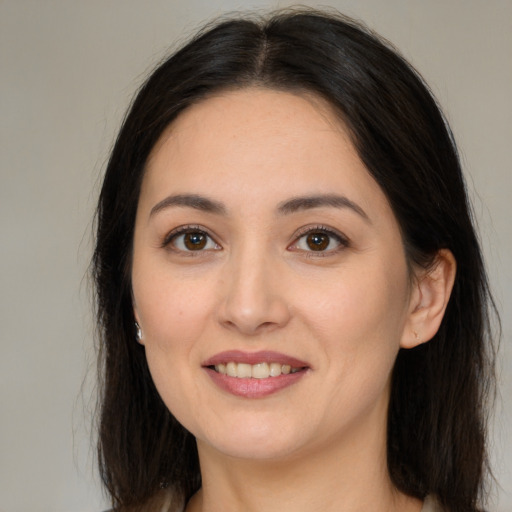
{"x": 254, "y": 294}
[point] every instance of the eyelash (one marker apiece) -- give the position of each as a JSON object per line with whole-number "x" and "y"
{"x": 171, "y": 238}
{"x": 302, "y": 233}
{"x": 332, "y": 234}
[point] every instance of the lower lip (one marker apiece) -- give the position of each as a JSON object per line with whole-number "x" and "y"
{"x": 254, "y": 388}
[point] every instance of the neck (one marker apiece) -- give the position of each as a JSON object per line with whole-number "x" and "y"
{"x": 341, "y": 477}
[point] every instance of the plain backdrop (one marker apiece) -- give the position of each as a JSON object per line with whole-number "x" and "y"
{"x": 68, "y": 69}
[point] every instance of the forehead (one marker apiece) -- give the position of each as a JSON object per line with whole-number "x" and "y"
{"x": 258, "y": 141}
{"x": 245, "y": 113}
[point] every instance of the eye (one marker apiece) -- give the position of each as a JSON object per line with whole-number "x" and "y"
{"x": 319, "y": 240}
{"x": 190, "y": 239}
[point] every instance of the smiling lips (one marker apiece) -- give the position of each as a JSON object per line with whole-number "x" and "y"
{"x": 254, "y": 375}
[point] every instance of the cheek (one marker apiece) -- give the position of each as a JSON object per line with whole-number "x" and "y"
{"x": 173, "y": 320}
{"x": 360, "y": 345}
{"x": 172, "y": 309}
{"x": 359, "y": 319}
{"x": 358, "y": 306}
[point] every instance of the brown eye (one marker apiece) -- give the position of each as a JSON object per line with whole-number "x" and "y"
{"x": 195, "y": 241}
{"x": 318, "y": 241}
{"x": 191, "y": 240}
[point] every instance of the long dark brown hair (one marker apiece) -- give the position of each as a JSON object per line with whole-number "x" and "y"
{"x": 441, "y": 389}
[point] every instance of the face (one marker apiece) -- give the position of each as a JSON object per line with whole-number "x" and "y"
{"x": 269, "y": 277}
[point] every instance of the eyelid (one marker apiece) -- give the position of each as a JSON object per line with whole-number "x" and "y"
{"x": 187, "y": 228}
{"x": 331, "y": 232}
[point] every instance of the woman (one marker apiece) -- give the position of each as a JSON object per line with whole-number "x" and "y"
{"x": 292, "y": 303}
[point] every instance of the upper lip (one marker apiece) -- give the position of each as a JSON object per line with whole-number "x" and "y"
{"x": 264, "y": 356}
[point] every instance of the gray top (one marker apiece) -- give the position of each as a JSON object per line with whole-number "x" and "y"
{"x": 431, "y": 505}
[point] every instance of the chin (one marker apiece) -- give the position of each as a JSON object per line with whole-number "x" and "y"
{"x": 255, "y": 442}
{"x": 250, "y": 450}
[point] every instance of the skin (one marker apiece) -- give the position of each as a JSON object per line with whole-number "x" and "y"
{"x": 346, "y": 310}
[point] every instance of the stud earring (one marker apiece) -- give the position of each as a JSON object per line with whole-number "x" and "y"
{"x": 139, "y": 332}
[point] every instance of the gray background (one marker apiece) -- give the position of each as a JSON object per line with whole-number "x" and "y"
{"x": 68, "y": 69}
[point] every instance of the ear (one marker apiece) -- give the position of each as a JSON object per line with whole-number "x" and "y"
{"x": 430, "y": 294}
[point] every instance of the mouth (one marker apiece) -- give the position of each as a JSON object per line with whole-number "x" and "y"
{"x": 254, "y": 375}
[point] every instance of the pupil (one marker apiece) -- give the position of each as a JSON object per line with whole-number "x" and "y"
{"x": 195, "y": 241}
{"x": 317, "y": 241}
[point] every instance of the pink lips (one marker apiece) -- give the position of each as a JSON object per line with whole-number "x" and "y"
{"x": 265, "y": 356}
{"x": 254, "y": 388}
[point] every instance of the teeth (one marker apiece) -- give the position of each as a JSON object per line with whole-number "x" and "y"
{"x": 255, "y": 371}
{"x": 275, "y": 369}
{"x": 244, "y": 371}
{"x": 231, "y": 369}
{"x": 259, "y": 371}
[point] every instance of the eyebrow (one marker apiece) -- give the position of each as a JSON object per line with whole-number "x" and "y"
{"x": 330, "y": 200}
{"x": 190, "y": 201}
{"x": 287, "y": 207}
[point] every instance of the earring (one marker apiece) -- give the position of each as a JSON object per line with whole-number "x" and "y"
{"x": 139, "y": 332}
